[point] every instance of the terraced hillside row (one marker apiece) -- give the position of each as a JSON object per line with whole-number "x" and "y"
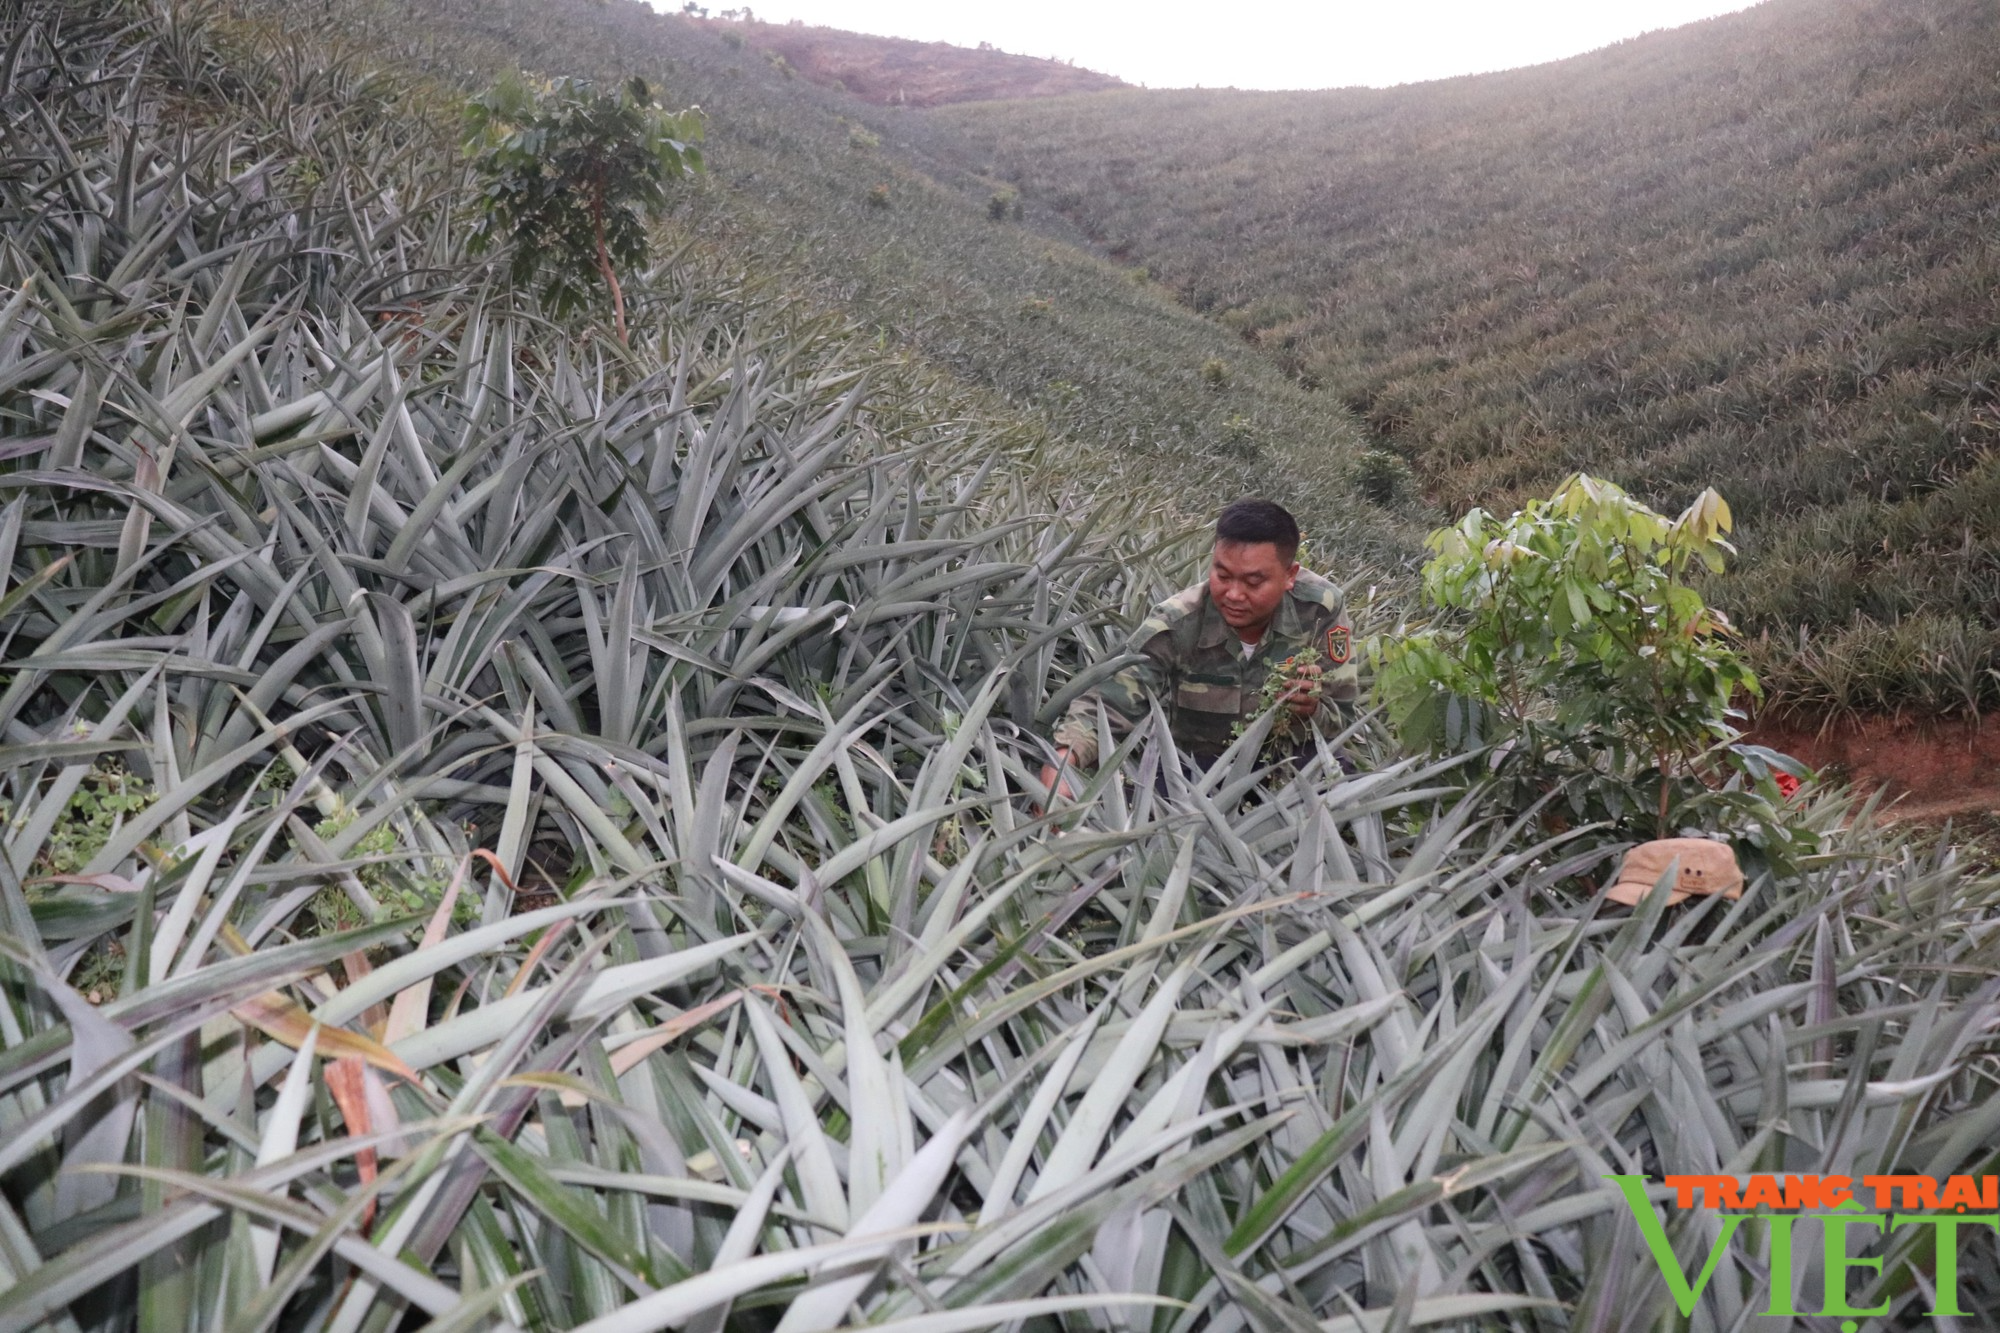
{"x": 1761, "y": 252}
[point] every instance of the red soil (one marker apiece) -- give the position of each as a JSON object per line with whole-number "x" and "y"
{"x": 1940, "y": 768}
{"x": 893, "y": 70}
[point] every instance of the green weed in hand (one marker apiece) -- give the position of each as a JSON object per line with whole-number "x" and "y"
{"x": 1301, "y": 669}
{"x": 568, "y": 173}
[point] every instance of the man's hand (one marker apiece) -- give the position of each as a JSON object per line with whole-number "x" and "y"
{"x": 1302, "y": 695}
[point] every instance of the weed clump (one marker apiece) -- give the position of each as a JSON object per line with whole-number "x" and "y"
{"x": 105, "y": 798}
{"x": 1383, "y": 477}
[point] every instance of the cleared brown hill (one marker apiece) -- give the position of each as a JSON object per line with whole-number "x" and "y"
{"x": 893, "y": 71}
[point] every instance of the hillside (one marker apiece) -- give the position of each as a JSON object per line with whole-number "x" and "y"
{"x": 817, "y": 189}
{"x": 893, "y": 71}
{"x": 1761, "y": 252}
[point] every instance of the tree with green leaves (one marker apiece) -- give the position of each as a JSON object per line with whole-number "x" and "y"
{"x": 1569, "y": 636}
{"x": 570, "y": 172}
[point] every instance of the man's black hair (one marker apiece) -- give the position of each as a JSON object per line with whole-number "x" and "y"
{"x": 1259, "y": 521}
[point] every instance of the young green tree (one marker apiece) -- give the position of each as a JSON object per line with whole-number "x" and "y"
{"x": 570, "y": 173}
{"x": 1569, "y": 636}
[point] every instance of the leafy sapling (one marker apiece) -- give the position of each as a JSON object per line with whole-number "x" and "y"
{"x": 570, "y": 172}
{"x": 1569, "y": 636}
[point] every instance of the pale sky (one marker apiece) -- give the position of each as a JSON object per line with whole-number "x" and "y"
{"x": 1265, "y": 43}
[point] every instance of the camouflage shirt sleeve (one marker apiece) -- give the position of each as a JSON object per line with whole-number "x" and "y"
{"x": 1126, "y": 695}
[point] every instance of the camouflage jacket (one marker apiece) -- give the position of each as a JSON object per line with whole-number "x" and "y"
{"x": 1193, "y": 663}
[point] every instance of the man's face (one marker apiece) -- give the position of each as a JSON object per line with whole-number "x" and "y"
{"x": 1246, "y": 582}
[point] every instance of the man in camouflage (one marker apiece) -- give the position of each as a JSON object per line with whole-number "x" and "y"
{"x": 1206, "y": 652}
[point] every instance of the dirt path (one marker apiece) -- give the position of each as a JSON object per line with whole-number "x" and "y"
{"x": 1911, "y": 810}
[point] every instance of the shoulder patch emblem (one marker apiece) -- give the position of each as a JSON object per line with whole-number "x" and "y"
{"x": 1339, "y": 645}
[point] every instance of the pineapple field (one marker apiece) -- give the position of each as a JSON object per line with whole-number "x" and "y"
{"x": 1754, "y": 253}
{"x": 508, "y": 829}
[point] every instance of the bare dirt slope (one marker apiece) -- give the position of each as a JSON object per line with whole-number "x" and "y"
{"x": 1933, "y": 771}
